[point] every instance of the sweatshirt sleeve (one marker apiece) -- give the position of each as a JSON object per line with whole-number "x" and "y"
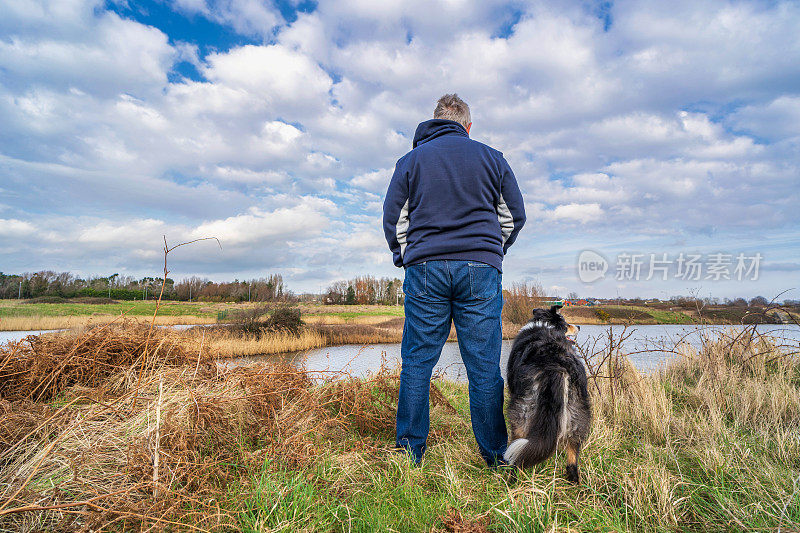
{"x": 395, "y": 214}
{"x": 510, "y": 206}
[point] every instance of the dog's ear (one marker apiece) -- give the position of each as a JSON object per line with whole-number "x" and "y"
{"x": 555, "y": 309}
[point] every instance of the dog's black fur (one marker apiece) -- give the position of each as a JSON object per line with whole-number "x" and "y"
{"x": 550, "y": 403}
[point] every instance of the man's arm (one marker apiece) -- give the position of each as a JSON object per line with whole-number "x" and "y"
{"x": 395, "y": 214}
{"x": 510, "y": 206}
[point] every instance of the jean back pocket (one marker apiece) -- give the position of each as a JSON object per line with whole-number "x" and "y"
{"x": 416, "y": 280}
{"x": 484, "y": 281}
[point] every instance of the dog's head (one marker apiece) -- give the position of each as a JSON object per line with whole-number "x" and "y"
{"x": 553, "y": 319}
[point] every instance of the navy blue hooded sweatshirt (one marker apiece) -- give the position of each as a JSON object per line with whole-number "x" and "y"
{"x": 451, "y": 198}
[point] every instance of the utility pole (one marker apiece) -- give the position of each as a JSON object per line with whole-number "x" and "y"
{"x": 248, "y": 292}
{"x": 20, "y": 291}
{"x": 190, "y": 291}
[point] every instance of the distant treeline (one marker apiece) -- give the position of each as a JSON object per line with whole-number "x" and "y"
{"x": 361, "y": 290}
{"x": 116, "y": 287}
{"x": 364, "y": 290}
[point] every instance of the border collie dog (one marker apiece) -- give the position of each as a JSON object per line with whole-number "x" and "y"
{"x": 549, "y": 403}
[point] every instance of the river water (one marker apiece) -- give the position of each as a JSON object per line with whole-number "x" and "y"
{"x": 649, "y": 346}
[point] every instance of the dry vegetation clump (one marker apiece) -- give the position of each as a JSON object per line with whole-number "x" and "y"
{"x": 39, "y": 367}
{"x": 261, "y": 320}
{"x": 169, "y": 453}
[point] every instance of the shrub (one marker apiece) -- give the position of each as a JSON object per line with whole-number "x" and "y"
{"x": 250, "y": 321}
{"x": 520, "y": 301}
{"x": 46, "y": 300}
{"x": 602, "y": 314}
{"x": 285, "y": 319}
{"x": 257, "y": 320}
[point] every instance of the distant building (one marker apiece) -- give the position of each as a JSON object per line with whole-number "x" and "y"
{"x": 579, "y": 302}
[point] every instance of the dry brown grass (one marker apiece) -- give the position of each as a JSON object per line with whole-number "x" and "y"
{"x": 339, "y": 320}
{"x": 35, "y": 323}
{"x": 107, "y": 461}
{"x": 40, "y": 367}
{"x": 225, "y": 344}
{"x": 693, "y": 421}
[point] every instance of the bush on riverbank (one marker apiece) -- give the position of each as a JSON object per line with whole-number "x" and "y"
{"x": 709, "y": 444}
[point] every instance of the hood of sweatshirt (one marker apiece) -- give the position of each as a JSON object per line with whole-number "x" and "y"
{"x": 431, "y": 129}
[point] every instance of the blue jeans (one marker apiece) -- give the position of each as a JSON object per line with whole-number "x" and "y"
{"x": 469, "y": 294}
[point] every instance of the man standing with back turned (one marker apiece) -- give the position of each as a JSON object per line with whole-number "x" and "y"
{"x": 452, "y": 210}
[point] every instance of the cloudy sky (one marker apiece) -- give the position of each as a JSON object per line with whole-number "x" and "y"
{"x": 633, "y": 128}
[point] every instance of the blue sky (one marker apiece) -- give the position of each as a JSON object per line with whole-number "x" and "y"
{"x": 633, "y": 128}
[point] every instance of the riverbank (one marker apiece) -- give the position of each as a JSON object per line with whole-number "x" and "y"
{"x": 24, "y": 315}
{"x": 91, "y": 439}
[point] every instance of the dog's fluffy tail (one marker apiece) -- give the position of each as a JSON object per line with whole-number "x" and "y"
{"x": 545, "y": 425}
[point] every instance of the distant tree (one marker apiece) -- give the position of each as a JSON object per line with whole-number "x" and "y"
{"x": 759, "y": 301}
{"x": 520, "y": 300}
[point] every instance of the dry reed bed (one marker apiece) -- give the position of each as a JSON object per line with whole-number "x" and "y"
{"x": 338, "y": 320}
{"x": 223, "y": 343}
{"x": 228, "y": 342}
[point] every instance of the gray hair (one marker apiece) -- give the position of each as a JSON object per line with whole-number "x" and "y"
{"x": 451, "y": 107}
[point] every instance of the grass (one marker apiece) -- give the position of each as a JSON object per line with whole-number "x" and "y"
{"x": 637, "y": 314}
{"x": 711, "y": 443}
{"x": 35, "y": 323}
{"x": 348, "y": 318}
{"x": 14, "y": 308}
{"x": 225, "y": 345}
{"x": 17, "y": 315}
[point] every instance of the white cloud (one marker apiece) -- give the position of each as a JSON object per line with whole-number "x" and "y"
{"x": 308, "y": 218}
{"x": 274, "y": 73}
{"x": 248, "y": 17}
{"x": 15, "y": 228}
{"x": 775, "y": 120}
{"x": 114, "y": 56}
{"x": 582, "y": 213}
{"x": 375, "y": 181}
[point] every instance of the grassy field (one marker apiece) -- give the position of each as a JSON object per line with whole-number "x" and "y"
{"x": 9, "y": 308}
{"x": 709, "y": 444}
{"x": 16, "y": 315}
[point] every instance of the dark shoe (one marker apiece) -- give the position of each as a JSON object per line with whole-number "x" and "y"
{"x": 416, "y": 461}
